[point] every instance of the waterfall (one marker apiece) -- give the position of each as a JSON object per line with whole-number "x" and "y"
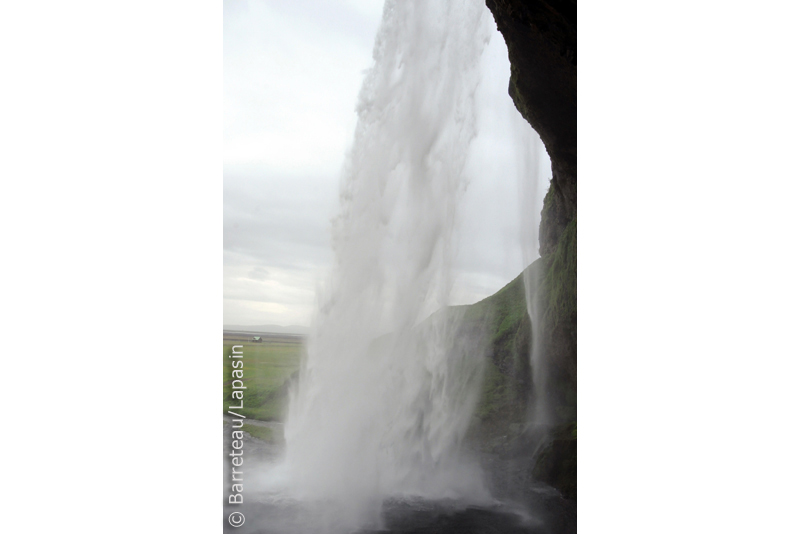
{"x": 386, "y": 391}
{"x": 530, "y": 195}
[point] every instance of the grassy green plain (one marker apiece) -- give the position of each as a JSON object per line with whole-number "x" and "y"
{"x": 268, "y": 369}
{"x": 260, "y": 432}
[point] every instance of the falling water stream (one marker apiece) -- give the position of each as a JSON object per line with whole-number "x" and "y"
{"x": 387, "y": 390}
{"x": 383, "y": 402}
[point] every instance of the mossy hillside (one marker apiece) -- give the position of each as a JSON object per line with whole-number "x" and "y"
{"x": 506, "y": 389}
{"x": 261, "y": 432}
{"x": 268, "y": 369}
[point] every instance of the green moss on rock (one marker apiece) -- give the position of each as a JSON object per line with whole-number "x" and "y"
{"x": 502, "y": 320}
{"x": 560, "y": 287}
{"x": 506, "y": 393}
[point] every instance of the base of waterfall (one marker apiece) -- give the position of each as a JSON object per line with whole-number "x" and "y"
{"x": 409, "y": 516}
{"x": 513, "y": 504}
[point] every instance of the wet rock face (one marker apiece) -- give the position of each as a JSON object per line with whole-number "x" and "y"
{"x": 557, "y": 466}
{"x": 541, "y": 36}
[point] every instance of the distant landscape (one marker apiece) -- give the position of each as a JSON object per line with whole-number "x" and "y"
{"x": 269, "y": 368}
{"x": 268, "y": 329}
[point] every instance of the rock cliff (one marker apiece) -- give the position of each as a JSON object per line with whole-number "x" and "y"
{"x": 541, "y": 36}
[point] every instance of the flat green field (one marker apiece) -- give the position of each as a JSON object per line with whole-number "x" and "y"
{"x": 268, "y": 368}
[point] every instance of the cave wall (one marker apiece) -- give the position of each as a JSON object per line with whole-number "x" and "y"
{"x": 541, "y": 37}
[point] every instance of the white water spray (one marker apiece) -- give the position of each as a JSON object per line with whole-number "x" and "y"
{"x": 386, "y": 392}
{"x": 531, "y": 196}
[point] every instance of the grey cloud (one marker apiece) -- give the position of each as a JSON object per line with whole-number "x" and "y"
{"x": 258, "y": 273}
{"x": 278, "y": 221}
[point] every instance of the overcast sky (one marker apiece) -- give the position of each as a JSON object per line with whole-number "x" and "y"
{"x": 292, "y": 73}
